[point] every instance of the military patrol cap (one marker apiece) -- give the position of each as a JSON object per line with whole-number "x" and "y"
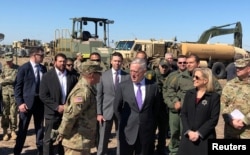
{"x": 242, "y": 62}
{"x": 78, "y": 54}
{"x": 164, "y": 63}
{"x": 90, "y": 67}
{"x": 8, "y": 56}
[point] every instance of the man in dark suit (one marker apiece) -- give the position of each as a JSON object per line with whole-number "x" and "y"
{"x": 106, "y": 89}
{"x": 26, "y": 90}
{"x": 55, "y": 86}
{"x": 136, "y": 106}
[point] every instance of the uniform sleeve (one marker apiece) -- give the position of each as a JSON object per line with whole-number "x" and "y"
{"x": 217, "y": 86}
{"x": 170, "y": 94}
{"x": 72, "y": 112}
{"x": 9, "y": 80}
{"x": 226, "y": 106}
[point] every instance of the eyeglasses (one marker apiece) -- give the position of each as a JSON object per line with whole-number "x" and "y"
{"x": 182, "y": 63}
{"x": 98, "y": 60}
{"x": 196, "y": 77}
{"x": 70, "y": 65}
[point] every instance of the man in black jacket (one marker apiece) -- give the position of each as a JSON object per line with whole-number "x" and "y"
{"x": 55, "y": 86}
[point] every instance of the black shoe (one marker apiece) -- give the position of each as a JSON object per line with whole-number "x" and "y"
{"x": 161, "y": 152}
{"x": 39, "y": 153}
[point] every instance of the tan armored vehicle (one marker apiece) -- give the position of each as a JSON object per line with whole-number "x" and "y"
{"x": 215, "y": 56}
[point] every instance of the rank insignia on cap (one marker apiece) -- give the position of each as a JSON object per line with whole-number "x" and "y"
{"x": 78, "y": 99}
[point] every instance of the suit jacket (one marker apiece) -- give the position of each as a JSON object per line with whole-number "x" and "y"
{"x": 50, "y": 92}
{"x": 106, "y": 93}
{"x": 25, "y": 84}
{"x": 203, "y": 117}
{"x": 132, "y": 120}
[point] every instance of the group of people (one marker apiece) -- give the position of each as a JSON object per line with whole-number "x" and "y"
{"x": 75, "y": 104}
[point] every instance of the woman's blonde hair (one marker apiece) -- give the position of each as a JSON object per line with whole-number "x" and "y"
{"x": 207, "y": 74}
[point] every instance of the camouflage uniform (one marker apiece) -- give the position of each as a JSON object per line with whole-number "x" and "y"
{"x": 77, "y": 65}
{"x": 9, "y": 115}
{"x": 236, "y": 95}
{"x": 174, "y": 90}
{"x": 78, "y": 124}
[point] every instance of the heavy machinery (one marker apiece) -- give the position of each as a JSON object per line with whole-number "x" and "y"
{"x": 153, "y": 48}
{"x": 81, "y": 40}
{"x": 215, "y": 56}
{"x": 22, "y": 48}
{"x": 1, "y": 36}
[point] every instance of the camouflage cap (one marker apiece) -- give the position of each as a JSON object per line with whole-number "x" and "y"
{"x": 8, "y": 56}
{"x": 242, "y": 62}
{"x": 164, "y": 63}
{"x": 90, "y": 67}
{"x": 78, "y": 54}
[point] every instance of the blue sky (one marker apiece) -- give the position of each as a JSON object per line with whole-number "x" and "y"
{"x": 142, "y": 19}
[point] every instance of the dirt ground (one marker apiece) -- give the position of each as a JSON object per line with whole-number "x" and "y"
{"x": 6, "y": 147}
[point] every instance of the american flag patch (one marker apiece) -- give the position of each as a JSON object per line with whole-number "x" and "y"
{"x": 78, "y": 99}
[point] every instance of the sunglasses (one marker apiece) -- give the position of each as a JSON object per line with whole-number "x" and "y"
{"x": 182, "y": 63}
{"x": 196, "y": 77}
{"x": 41, "y": 55}
{"x": 69, "y": 65}
{"x": 98, "y": 60}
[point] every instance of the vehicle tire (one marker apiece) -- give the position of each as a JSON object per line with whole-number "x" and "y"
{"x": 219, "y": 70}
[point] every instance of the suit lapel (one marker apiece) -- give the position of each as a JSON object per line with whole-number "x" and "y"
{"x": 110, "y": 74}
{"x": 147, "y": 90}
{"x": 32, "y": 71}
{"x": 123, "y": 75}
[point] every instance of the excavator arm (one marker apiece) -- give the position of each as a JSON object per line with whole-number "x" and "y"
{"x": 1, "y": 36}
{"x": 220, "y": 30}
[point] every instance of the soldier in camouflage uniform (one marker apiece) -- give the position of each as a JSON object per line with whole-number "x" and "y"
{"x": 78, "y": 126}
{"x": 174, "y": 96}
{"x": 9, "y": 116}
{"x": 236, "y": 96}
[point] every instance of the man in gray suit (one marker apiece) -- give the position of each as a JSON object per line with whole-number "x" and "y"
{"x": 106, "y": 89}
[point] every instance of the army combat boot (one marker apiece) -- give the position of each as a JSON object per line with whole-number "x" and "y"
{"x": 5, "y": 135}
{"x": 13, "y": 135}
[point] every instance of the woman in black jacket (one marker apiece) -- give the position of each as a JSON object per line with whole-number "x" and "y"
{"x": 199, "y": 114}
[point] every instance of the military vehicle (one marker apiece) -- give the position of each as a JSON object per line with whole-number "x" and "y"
{"x": 215, "y": 56}
{"x": 22, "y": 48}
{"x": 81, "y": 40}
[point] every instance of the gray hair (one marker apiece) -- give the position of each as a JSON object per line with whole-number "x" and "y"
{"x": 141, "y": 62}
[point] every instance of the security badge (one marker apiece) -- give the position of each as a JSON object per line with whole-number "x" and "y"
{"x": 149, "y": 76}
{"x": 204, "y": 102}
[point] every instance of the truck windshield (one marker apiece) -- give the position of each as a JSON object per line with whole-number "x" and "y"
{"x": 124, "y": 45}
